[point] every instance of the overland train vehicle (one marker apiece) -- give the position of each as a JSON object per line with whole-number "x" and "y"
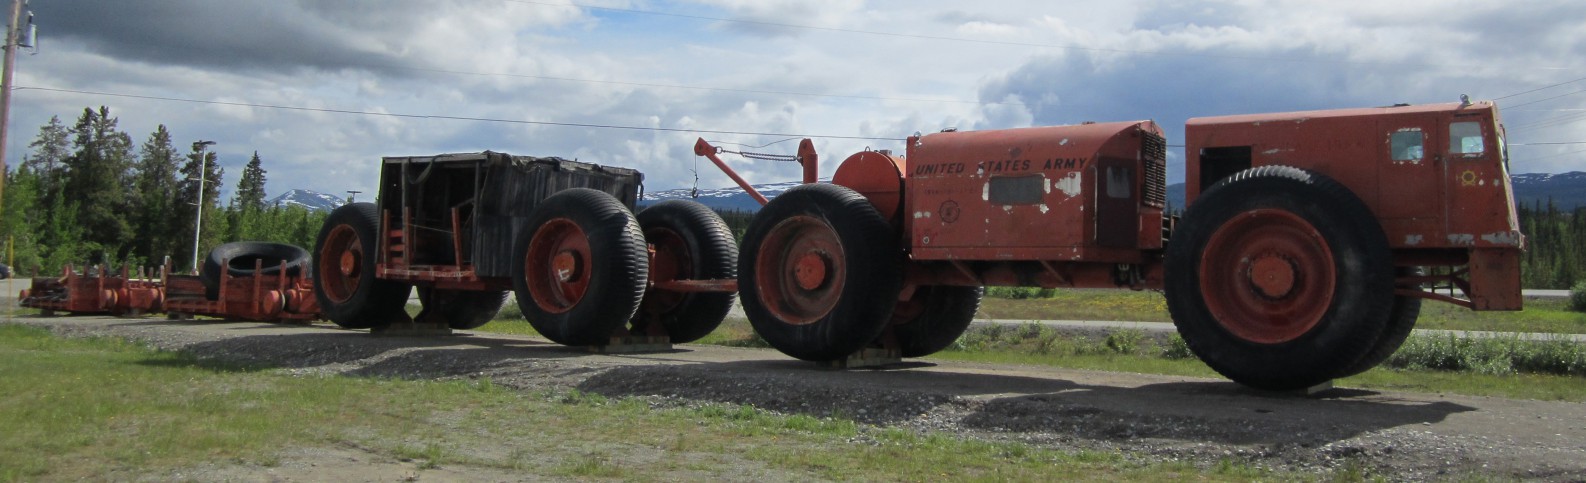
{"x": 1309, "y": 241}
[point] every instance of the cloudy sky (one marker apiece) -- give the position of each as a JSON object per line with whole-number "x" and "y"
{"x": 323, "y": 88}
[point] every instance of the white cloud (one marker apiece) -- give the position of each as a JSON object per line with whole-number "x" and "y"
{"x": 1108, "y": 61}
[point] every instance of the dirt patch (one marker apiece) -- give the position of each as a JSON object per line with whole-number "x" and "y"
{"x": 1149, "y": 418}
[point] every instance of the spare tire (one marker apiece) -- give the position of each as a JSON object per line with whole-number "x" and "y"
{"x": 240, "y": 258}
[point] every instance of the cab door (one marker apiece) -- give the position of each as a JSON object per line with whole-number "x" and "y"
{"x": 1412, "y": 167}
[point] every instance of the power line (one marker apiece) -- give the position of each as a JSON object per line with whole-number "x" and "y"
{"x": 1550, "y": 98}
{"x": 1543, "y": 88}
{"x": 985, "y": 41}
{"x": 1555, "y": 121}
{"x": 461, "y": 118}
{"x": 678, "y": 86}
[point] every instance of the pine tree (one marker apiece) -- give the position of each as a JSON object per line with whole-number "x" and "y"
{"x": 155, "y": 209}
{"x": 18, "y": 241}
{"x": 250, "y": 187}
{"x": 97, "y": 178}
{"x": 48, "y": 160}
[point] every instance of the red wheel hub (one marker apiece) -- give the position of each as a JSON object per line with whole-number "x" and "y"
{"x": 557, "y": 267}
{"x": 810, "y": 270}
{"x": 1272, "y": 276}
{"x": 671, "y": 261}
{"x": 341, "y": 264}
{"x": 350, "y": 263}
{"x": 1267, "y": 276}
{"x": 800, "y": 269}
{"x": 566, "y": 265}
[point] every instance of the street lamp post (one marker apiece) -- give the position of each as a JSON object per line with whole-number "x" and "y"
{"x": 203, "y": 169}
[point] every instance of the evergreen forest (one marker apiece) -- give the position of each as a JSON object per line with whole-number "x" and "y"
{"x": 86, "y": 194}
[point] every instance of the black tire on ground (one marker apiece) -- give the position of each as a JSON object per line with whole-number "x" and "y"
{"x": 691, "y": 242}
{"x": 344, "y": 260}
{"x": 239, "y": 258}
{"x": 1279, "y": 278}
{"x": 461, "y": 309}
{"x": 1401, "y": 321}
{"x": 935, "y": 316}
{"x": 581, "y": 273}
{"x": 819, "y": 273}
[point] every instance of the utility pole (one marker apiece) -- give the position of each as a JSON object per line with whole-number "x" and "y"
{"x": 13, "y": 34}
{"x": 203, "y": 169}
{"x": 352, "y": 194}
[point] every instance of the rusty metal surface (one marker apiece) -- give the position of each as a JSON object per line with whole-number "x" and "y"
{"x": 99, "y": 291}
{"x": 876, "y": 175}
{"x": 1427, "y": 197}
{"x": 703, "y": 148}
{"x": 277, "y": 297}
{"x": 1435, "y": 176}
{"x": 1061, "y": 193}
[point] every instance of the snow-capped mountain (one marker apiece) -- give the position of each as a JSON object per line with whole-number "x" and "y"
{"x": 1567, "y": 190}
{"x": 313, "y": 200}
{"x": 732, "y": 198}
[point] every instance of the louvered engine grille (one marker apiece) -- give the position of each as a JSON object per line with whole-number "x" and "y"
{"x": 1154, "y": 151}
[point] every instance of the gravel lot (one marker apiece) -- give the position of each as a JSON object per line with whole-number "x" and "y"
{"x": 1399, "y": 436}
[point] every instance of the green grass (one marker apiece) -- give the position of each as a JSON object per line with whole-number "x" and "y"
{"x": 1073, "y": 304}
{"x": 87, "y": 408}
{"x": 1504, "y": 367}
{"x": 1540, "y": 315}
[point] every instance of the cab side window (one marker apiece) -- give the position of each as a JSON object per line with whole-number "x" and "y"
{"x": 1465, "y": 138}
{"x": 1407, "y": 145}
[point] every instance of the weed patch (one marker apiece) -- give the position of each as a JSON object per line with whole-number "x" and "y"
{"x": 1491, "y": 355}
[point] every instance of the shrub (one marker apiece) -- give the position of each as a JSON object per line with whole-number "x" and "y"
{"x": 1176, "y": 348}
{"x": 1577, "y": 297}
{"x": 1491, "y": 355}
{"x": 1019, "y": 293}
{"x": 1125, "y": 341}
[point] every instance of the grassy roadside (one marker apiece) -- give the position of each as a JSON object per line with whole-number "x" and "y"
{"x": 1552, "y": 371}
{"x": 1540, "y": 315}
{"x": 93, "y": 408}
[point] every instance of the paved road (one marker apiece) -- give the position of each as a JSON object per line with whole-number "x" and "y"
{"x": 1168, "y": 327}
{"x": 1545, "y": 294}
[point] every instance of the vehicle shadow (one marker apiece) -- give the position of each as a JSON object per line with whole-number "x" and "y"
{"x": 356, "y": 353}
{"x": 1189, "y": 411}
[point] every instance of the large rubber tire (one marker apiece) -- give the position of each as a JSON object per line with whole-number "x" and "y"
{"x": 462, "y": 309}
{"x": 239, "y": 258}
{"x": 819, "y": 273}
{"x": 344, "y": 261}
{"x": 581, "y": 273}
{"x": 934, "y": 317}
{"x": 1279, "y": 278}
{"x": 691, "y": 242}
{"x": 1401, "y": 321}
